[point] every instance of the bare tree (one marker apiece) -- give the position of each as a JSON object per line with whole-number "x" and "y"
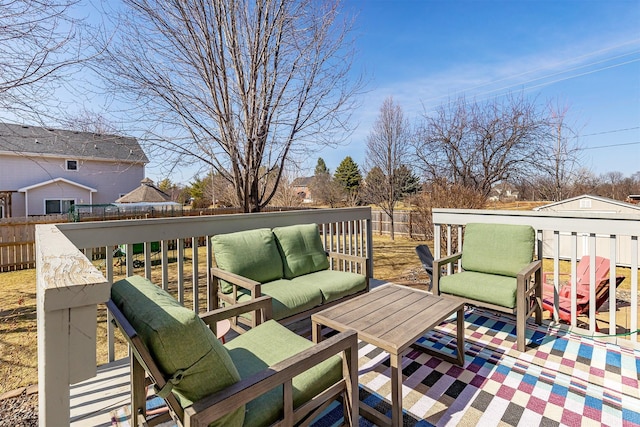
{"x": 241, "y": 86}
{"x": 614, "y": 185}
{"x": 477, "y": 145}
{"x": 388, "y": 145}
{"x": 562, "y": 159}
{"x": 37, "y": 40}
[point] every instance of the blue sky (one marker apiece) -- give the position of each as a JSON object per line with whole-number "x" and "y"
{"x": 585, "y": 54}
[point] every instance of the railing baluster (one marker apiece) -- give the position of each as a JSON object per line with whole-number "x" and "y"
{"x": 194, "y": 278}
{"x": 180, "y": 267}
{"x": 613, "y": 256}
{"x": 111, "y": 346}
{"x": 634, "y": 288}
{"x": 574, "y": 278}
{"x": 129, "y": 258}
{"x": 556, "y": 273}
{"x": 212, "y": 300}
{"x": 147, "y": 260}
{"x": 164, "y": 263}
{"x": 592, "y": 282}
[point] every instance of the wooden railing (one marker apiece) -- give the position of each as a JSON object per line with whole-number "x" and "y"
{"x": 70, "y": 285}
{"x": 562, "y": 237}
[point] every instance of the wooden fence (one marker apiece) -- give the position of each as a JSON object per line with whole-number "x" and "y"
{"x": 405, "y": 223}
{"x": 17, "y": 240}
{"x": 17, "y": 235}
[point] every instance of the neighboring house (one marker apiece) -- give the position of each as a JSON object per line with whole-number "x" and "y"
{"x": 45, "y": 171}
{"x": 592, "y": 205}
{"x": 503, "y": 192}
{"x": 301, "y": 187}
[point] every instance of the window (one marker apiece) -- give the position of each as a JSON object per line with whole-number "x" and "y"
{"x": 585, "y": 204}
{"x": 72, "y": 165}
{"x": 58, "y": 206}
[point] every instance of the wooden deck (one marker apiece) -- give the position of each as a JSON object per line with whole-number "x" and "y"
{"x": 558, "y": 360}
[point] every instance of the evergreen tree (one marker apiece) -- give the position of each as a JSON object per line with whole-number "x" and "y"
{"x": 348, "y": 177}
{"x": 321, "y": 168}
{"x": 407, "y": 182}
{"x": 348, "y": 174}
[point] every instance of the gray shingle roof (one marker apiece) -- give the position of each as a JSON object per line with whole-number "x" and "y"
{"x": 147, "y": 192}
{"x": 45, "y": 141}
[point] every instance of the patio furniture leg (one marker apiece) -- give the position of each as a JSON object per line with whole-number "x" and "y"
{"x": 460, "y": 335}
{"x": 138, "y": 392}
{"x": 316, "y": 332}
{"x": 396, "y": 390}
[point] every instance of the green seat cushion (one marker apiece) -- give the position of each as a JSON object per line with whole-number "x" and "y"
{"x": 178, "y": 340}
{"x": 266, "y": 345}
{"x": 497, "y": 248}
{"x": 287, "y": 299}
{"x": 332, "y": 284}
{"x": 488, "y": 288}
{"x": 301, "y": 249}
{"x": 252, "y": 254}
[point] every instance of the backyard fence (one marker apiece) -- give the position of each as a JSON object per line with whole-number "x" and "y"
{"x": 17, "y": 235}
{"x": 405, "y": 223}
{"x": 17, "y": 241}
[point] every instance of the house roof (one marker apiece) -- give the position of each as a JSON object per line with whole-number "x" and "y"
{"x": 52, "y": 181}
{"x": 68, "y": 143}
{"x": 589, "y": 196}
{"x": 147, "y": 192}
{"x": 302, "y": 181}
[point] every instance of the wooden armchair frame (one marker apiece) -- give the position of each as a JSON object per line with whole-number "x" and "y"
{"x": 528, "y": 297}
{"x": 145, "y": 372}
{"x": 254, "y": 288}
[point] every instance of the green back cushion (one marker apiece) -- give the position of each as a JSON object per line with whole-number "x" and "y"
{"x": 497, "y": 248}
{"x": 252, "y": 254}
{"x": 178, "y": 340}
{"x": 301, "y": 249}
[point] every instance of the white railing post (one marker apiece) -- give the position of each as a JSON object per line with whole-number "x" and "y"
{"x": 69, "y": 288}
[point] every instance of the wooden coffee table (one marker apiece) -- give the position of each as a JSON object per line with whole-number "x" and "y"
{"x": 393, "y": 317}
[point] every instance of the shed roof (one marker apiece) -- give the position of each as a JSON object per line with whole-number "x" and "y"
{"x": 68, "y": 143}
{"x": 146, "y": 192}
{"x": 589, "y": 196}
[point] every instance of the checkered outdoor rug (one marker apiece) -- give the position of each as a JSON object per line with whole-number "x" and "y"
{"x": 563, "y": 379}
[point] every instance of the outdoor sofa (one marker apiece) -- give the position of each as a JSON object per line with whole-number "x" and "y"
{"x": 267, "y": 376}
{"x": 290, "y": 265}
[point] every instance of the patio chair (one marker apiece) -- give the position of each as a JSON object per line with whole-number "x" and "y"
{"x": 583, "y": 298}
{"x": 426, "y": 258}
{"x": 268, "y": 375}
{"x": 497, "y": 272}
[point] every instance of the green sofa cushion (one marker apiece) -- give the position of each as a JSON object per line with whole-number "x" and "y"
{"x": 332, "y": 284}
{"x": 252, "y": 254}
{"x": 488, "y": 288}
{"x": 287, "y": 299}
{"x": 301, "y": 249}
{"x": 178, "y": 340}
{"x": 267, "y": 345}
{"x": 497, "y": 248}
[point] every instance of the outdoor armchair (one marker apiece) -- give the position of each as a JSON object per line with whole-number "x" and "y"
{"x": 497, "y": 271}
{"x": 266, "y": 376}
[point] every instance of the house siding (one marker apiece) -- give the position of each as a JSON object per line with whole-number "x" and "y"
{"x": 110, "y": 178}
{"x": 55, "y": 191}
